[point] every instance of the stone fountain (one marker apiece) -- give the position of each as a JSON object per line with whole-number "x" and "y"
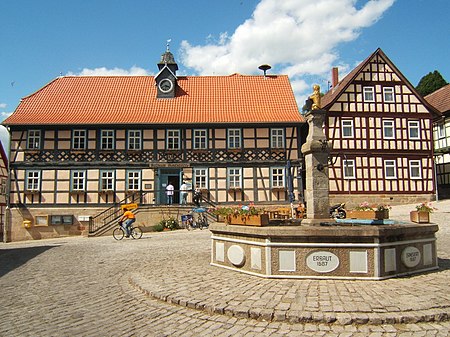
{"x": 319, "y": 247}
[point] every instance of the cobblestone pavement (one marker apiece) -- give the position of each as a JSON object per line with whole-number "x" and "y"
{"x": 162, "y": 285}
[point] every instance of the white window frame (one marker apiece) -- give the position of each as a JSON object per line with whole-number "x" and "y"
{"x": 134, "y": 140}
{"x": 277, "y": 177}
{"x": 107, "y": 180}
{"x": 201, "y": 177}
{"x": 78, "y": 180}
{"x": 348, "y": 169}
{"x": 347, "y": 125}
{"x": 34, "y": 139}
{"x": 369, "y": 94}
{"x": 388, "y": 124}
{"x": 413, "y": 126}
{"x": 200, "y": 139}
{"x": 277, "y": 138}
{"x": 79, "y": 139}
{"x": 388, "y": 95}
{"x": 234, "y": 138}
{"x": 234, "y": 177}
{"x": 134, "y": 182}
{"x": 107, "y": 139}
{"x": 173, "y": 139}
{"x": 441, "y": 130}
{"x": 415, "y": 169}
{"x": 390, "y": 169}
{"x": 33, "y": 182}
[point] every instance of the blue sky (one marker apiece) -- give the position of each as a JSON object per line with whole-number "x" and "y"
{"x": 39, "y": 40}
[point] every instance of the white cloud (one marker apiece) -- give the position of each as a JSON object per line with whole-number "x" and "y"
{"x": 133, "y": 71}
{"x": 3, "y": 105}
{"x": 296, "y": 37}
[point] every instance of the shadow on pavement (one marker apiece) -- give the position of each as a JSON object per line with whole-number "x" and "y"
{"x": 11, "y": 259}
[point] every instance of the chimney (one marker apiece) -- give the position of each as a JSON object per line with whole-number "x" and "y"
{"x": 334, "y": 77}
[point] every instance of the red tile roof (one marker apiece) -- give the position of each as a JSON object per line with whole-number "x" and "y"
{"x": 132, "y": 100}
{"x": 440, "y": 99}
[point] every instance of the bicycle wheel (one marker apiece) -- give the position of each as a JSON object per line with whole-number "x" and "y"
{"x": 136, "y": 233}
{"x": 118, "y": 233}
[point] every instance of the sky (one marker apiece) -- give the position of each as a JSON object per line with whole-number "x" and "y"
{"x": 304, "y": 39}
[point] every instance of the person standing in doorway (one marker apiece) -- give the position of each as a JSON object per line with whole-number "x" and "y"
{"x": 184, "y": 188}
{"x": 169, "y": 193}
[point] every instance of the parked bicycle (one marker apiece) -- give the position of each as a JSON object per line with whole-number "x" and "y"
{"x": 119, "y": 232}
{"x": 195, "y": 219}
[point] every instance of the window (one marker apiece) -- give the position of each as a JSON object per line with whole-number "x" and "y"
{"x": 134, "y": 139}
{"x": 79, "y": 139}
{"x": 107, "y": 180}
{"x": 201, "y": 178}
{"x": 441, "y": 130}
{"x": 234, "y": 138}
{"x": 388, "y": 129}
{"x": 173, "y": 139}
{"x": 133, "y": 180}
{"x": 413, "y": 130}
{"x": 107, "y": 139}
{"x": 349, "y": 169}
{"x": 34, "y": 139}
{"x": 415, "y": 169}
{"x": 234, "y": 177}
{"x": 347, "y": 128}
{"x": 390, "y": 169}
{"x": 200, "y": 139}
{"x": 388, "y": 95}
{"x": 277, "y": 175}
{"x": 61, "y": 219}
{"x": 78, "y": 180}
{"x": 33, "y": 180}
{"x": 369, "y": 95}
{"x": 277, "y": 138}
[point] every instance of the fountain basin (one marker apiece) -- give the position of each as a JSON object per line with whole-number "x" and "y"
{"x": 330, "y": 251}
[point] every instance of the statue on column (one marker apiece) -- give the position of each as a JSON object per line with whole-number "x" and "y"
{"x": 313, "y": 101}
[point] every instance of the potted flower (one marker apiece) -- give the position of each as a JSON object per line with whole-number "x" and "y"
{"x": 382, "y": 211}
{"x": 365, "y": 211}
{"x": 422, "y": 213}
{"x": 242, "y": 215}
{"x": 362, "y": 211}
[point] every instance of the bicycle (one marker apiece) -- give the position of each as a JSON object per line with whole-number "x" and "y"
{"x": 200, "y": 222}
{"x": 119, "y": 232}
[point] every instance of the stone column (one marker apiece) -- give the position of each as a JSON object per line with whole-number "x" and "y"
{"x": 316, "y": 151}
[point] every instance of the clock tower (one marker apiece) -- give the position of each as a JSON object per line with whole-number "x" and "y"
{"x": 166, "y": 79}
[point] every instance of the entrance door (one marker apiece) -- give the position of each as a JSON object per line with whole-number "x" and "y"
{"x": 166, "y": 176}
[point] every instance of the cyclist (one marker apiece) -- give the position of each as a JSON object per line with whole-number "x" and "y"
{"x": 130, "y": 218}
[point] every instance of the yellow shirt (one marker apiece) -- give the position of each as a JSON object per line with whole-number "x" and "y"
{"x": 129, "y": 215}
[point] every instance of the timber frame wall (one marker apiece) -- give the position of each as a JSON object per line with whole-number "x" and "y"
{"x": 381, "y": 135}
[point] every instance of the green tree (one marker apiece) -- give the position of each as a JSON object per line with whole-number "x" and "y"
{"x": 430, "y": 83}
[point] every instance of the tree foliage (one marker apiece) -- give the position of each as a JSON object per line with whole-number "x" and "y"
{"x": 430, "y": 83}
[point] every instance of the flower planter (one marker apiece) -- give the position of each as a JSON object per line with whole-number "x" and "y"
{"x": 419, "y": 216}
{"x": 368, "y": 215}
{"x": 249, "y": 220}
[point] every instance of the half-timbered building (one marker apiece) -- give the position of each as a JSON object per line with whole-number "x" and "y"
{"x": 380, "y": 129}
{"x": 3, "y": 189}
{"x": 81, "y": 144}
{"x": 440, "y": 99}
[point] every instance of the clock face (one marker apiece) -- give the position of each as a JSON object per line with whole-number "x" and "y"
{"x": 165, "y": 85}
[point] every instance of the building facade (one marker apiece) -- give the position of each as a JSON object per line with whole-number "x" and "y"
{"x": 440, "y": 99}
{"x": 81, "y": 144}
{"x": 381, "y": 133}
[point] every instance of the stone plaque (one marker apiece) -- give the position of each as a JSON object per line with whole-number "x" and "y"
{"x": 411, "y": 256}
{"x": 322, "y": 261}
{"x": 236, "y": 255}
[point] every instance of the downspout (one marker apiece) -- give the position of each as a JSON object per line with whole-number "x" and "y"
{"x": 7, "y": 196}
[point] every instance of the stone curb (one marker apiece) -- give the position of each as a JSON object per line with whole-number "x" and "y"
{"x": 293, "y": 316}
